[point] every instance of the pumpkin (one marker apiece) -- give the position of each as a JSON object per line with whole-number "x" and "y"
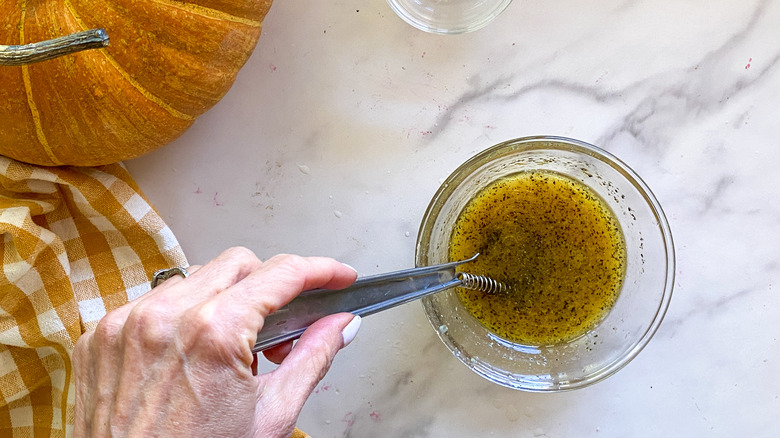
{"x": 168, "y": 62}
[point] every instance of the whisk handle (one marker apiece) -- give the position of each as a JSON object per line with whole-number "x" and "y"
{"x": 366, "y": 296}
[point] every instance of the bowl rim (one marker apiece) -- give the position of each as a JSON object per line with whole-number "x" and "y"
{"x": 573, "y": 145}
{"x": 455, "y": 29}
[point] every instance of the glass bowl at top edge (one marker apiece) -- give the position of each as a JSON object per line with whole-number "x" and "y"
{"x": 448, "y": 17}
{"x": 638, "y": 310}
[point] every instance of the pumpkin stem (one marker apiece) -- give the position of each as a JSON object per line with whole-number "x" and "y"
{"x": 46, "y": 50}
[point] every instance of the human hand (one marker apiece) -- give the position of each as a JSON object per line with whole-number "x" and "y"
{"x": 178, "y": 360}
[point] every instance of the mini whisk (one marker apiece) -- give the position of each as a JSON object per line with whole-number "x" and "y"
{"x": 481, "y": 283}
{"x": 366, "y": 296}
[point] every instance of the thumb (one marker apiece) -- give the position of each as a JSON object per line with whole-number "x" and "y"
{"x": 311, "y": 358}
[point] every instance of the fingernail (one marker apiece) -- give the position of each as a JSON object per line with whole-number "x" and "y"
{"x": 350, "y": 331}
{"x": 350, "y": 267}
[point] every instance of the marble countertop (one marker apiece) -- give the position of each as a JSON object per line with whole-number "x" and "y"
{"x": 345, "y": 121}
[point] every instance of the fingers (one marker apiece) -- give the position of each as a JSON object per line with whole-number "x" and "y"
{"x": 311, "y": 358}
{"x": 245, "y": 279}
{"x": 278, "y": 353}
{"x": 164, "y": 305}
{"x": 276, "y": 283}
{"x": 230, "y": 320}
{"x": 229, "y": 268}
{"x": 283, "y": 277}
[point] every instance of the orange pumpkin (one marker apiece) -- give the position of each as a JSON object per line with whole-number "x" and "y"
{"x": 167, "y": 63}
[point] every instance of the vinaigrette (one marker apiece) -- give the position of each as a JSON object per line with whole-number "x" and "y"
{"x": 555, "y": 244}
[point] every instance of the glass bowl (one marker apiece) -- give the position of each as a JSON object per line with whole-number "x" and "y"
{"x": 640, "y": 306}
{"x": 448, "y": 16}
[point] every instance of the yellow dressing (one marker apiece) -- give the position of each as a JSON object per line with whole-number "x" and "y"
{"x": 555, "y": 244}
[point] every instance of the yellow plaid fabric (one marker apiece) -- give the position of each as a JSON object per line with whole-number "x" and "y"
{"x": 76, "y": 243}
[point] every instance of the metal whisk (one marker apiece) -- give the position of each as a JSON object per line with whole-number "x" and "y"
{"x": 481, "y": 283}
{"x": 366, "y": 296}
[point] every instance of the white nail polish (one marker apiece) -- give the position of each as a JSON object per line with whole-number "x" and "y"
{"x": 350, "y": 331}
{"x": 350, "y": 267}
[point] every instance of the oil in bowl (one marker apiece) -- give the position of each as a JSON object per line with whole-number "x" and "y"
{"x": 554, "y": 244}
{"x": 580, "y": 243}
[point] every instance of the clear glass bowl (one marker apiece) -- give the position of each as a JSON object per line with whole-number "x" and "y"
{"x": 448, "y": 16}
{"x": 640, "y": 307}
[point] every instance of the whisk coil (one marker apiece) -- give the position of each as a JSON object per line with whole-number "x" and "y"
{"x": 481, "y": 283}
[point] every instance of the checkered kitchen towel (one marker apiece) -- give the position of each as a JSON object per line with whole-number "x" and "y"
{"x": 76, "y": 243}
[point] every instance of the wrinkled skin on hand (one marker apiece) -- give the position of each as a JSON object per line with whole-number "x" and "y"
{"x": 178, "y": 361}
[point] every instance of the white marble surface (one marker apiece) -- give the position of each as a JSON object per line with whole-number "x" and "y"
{"x": 346, "y": 119}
